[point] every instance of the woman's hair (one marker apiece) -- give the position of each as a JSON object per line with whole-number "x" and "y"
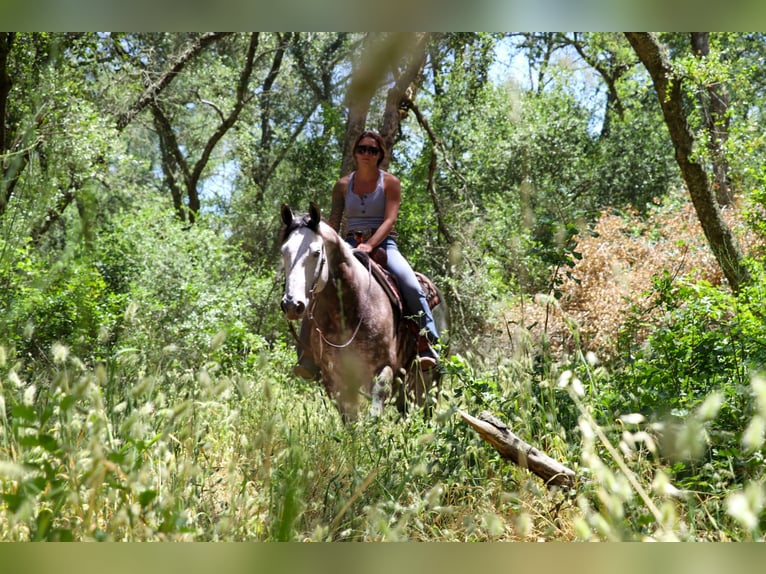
{"x": 378, "y": 139}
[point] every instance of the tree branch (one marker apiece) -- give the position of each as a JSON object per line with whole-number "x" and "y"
{"x": 511, "y": 447}
{"x": 54, "y": 213}
{"x": 262, "y": 167}
{"x": 153, "y": 90}
{"x": 226, "y": 124}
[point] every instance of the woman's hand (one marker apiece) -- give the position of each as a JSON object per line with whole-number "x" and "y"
{"x": 365, "y": 248}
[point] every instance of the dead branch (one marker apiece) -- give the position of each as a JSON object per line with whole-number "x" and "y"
{"x": 496, "y": 433}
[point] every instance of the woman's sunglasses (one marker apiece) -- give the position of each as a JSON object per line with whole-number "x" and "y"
{"x": 366, "y": 149}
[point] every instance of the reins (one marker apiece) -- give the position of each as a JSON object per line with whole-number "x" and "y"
{"x": 358, "y": 325}
{"x": 313, "y": 302}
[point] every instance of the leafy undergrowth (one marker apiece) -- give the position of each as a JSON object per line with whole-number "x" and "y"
{"x": 223, "y": 445}
{"x": 671, "y": 364}
{"x": 203, "y": 455}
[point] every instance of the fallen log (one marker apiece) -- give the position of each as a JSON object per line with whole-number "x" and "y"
{"x": 497, "y": 433}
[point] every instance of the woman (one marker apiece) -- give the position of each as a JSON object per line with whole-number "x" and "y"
{"x": 371, "y": 198}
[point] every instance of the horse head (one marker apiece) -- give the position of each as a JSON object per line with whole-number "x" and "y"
{"x": 304, "y": 259}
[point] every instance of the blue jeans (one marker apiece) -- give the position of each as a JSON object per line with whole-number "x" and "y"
{"x": 409, "y": 286}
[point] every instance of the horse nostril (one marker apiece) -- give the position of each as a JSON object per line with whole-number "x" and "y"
{"x": 292, "y": 308}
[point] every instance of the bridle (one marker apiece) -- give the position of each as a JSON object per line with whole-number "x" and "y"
{"x": 313, "y": 290}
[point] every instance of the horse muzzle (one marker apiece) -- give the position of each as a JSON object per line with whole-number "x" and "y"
{"x": 293, "y": 309}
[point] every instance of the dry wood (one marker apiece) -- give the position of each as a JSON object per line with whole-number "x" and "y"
{"x": 495, "y": 432}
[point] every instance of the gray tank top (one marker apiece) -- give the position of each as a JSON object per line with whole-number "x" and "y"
{"x": 365, "y": 213}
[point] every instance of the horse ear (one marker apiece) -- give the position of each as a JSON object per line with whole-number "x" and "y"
{"x": 287, "y": 214}
{"x": 315, "y": 213}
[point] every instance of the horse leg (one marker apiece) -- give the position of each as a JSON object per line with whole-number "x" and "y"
{"x": 381, "y": 389}
{"x": 344, "y": 398}
{"x": 306, "y": 367}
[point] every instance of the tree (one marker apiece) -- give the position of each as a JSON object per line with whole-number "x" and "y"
{"x": 51, "y": 84}
{"x": 173, "y": 160}
{"x": 46, "y": 93}
{"x": 669, "y": 88}
{"x": 153, "y": 89}
{"x": 714, "y": 101}
{"x": 382, "y": 55}
{"x": 605, "y": 54}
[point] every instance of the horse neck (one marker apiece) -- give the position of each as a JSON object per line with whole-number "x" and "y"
{"x": 341, "y": 260}
{"x": 337, "y": 250}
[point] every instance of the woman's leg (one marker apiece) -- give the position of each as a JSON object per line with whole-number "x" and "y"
{"x": 409, "y": 286}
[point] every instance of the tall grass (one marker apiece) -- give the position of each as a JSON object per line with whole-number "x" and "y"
{"x": 205, "y": 455}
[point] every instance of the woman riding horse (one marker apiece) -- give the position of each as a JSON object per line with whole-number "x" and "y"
{"x": 350, "y": 323}
{"x": 371, "y": 198}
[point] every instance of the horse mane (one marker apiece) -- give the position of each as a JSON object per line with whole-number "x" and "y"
{"x": 297, "y": 223}
{"x": 333, "y": 238}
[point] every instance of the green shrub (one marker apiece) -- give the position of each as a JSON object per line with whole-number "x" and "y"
{"x": 182, "y": 287}
{"x": 709, "y": 344}
{"x": 48, "y": 300}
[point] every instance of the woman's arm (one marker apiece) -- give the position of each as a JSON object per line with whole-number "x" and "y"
{"x": 392, "y": 187}
{"x": 338, "y": 203}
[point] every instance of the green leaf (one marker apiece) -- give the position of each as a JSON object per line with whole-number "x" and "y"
{"x": 25, "y": 412}
{"x": 46, "y": 441}
{"x": 14, "y": 501}
{"x": 44, "y": 520}
{"x": 49, "y": 443}
{"x": 60, "y": 535}
{"x": 67, "y": 402}
{"x": 29, "y": 441}
{"x": 146, "y": 497}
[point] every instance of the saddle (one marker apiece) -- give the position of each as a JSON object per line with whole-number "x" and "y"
{"x": 378, "y": 262}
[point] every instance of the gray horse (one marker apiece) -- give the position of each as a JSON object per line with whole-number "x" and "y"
{"x": 363, "y": 345}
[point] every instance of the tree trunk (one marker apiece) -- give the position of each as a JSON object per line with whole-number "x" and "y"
{"x": 381, "y": 53}
{"x": 715, "y": 103}
{"x": 364, "y": 82}
{"x": 496, "y": 433}
{"x": 173, "y": 159}
{"x": 668, "y": 87}
{"x": 6, "y": 42}
{"x": 264, "y": 167}
{"x": 402, "y": 93}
